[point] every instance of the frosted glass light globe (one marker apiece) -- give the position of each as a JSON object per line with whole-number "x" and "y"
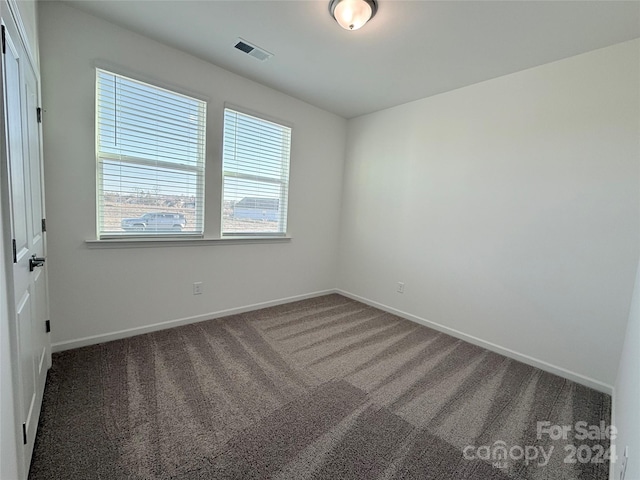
{"x": 352, "y": 14}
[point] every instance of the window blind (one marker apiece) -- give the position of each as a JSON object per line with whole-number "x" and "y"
{"x": 255, "y": 164}
{"x": 150, "y": 159}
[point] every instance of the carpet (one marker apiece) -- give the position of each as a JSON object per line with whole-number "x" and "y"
{"x": 324, "y": 388}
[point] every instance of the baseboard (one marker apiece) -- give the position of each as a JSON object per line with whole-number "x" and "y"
{"x": 130, "y": 332}
{"x": 534, "y": 362}
{"x": 547, "y": 367}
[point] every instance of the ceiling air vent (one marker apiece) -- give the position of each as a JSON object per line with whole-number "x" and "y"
{"x": 252, "y": 50}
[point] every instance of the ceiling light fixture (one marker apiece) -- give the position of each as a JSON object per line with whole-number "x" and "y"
{"x": 352, "y": 14}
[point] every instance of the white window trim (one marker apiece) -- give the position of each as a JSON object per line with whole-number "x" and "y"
{"x": 146, "y": 242}
{"x": 268, "y": 118}
{"x": 110, "y": 69}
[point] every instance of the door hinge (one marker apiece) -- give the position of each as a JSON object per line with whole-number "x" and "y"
{"x": 47, "y": 326}
{"x": 4, "y": 41}
{"x": 44, "y": 225}
{"x": 15, "y": 252}
{"x": 39, "y": 114}
{"x": 24, "y": 433}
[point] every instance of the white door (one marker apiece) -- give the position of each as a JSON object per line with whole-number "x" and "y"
{"x": 23, "y": 173}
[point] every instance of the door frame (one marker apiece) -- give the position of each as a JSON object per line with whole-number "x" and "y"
{"x": 13, "y": 451}
{"x": 11, "y": 459}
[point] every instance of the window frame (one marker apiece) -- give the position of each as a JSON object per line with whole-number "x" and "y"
{"x": 198, "y": 169}
{"x": 284, "y": 213}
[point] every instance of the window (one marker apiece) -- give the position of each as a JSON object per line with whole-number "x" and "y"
{"x": 150, "y": 159}
{"x": 255, "y": 165}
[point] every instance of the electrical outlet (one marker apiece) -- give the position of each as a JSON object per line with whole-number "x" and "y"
{"x": 400, "y": 287}
{"x": 197, "y": 288}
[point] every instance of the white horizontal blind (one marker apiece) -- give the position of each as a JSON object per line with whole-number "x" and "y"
{"x": 150, "y": 159}
{"x": 255, "y": 164}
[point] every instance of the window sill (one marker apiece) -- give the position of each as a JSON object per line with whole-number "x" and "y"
{"x": 181, "y": 242}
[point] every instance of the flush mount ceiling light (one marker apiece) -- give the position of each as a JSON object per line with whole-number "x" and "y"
{"x": 352, "y": 14}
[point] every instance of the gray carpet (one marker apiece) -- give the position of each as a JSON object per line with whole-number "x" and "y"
{"x": 326, "y": 388}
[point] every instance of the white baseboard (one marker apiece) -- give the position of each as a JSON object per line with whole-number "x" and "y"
{"x": 130, "y": 332}
{"x": 547, "y": 367}
{"x": 534, "y": 362}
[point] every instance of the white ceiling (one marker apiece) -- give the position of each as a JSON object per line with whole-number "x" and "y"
{"x": 409, "y": 50}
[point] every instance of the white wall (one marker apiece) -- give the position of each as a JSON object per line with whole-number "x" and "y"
{"x": 626, "y": 396}
{"x": 95, "y": 292}
{"x": 509, "y": 208}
